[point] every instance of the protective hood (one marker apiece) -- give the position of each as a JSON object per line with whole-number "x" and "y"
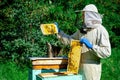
{"x": 90, "y": 7}
{"x": 92, "y": 19}
{"x": 91, "y": 16}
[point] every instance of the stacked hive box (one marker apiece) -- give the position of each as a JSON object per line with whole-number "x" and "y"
{"x": 72, "y": 67}
{"x": 46, "y": 65}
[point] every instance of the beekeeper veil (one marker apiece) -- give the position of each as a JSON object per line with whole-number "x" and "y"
{"x": 91, "y": 16}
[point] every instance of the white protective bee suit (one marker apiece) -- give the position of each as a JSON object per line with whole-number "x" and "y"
{"x": 98, "y": 36}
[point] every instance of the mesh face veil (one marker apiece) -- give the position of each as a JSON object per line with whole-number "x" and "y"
{"x": 91, "y": 16}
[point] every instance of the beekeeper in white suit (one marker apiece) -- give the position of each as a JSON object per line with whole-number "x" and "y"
{"x": 95, "y": 40}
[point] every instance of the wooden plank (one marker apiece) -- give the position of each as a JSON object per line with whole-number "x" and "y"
{"x": 56, "y": 74}
{"x": 46, "y": 58}
{"x": 49, "y": 62}
{"x": 66, "y": 77}
{"x": 38, "y": 67}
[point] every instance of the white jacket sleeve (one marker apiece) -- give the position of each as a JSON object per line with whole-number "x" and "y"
{"x": 66, "y": 39}
{"x": 103, "y": 48}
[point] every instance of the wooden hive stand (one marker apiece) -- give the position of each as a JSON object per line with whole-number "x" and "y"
{"x": 72, "y": 67}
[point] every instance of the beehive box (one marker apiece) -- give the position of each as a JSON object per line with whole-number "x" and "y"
{"x": 72, "y": 68}
{"x": 46, "y": 65}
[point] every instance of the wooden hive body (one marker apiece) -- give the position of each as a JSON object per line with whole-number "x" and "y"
{"x": 73, "y": 62}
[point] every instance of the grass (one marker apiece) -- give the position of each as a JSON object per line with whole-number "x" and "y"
{"x": 110, "y": 69}
{"x": 10, "y": 71}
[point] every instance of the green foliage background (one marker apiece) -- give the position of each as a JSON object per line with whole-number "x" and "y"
{"x": 21, "y": 37}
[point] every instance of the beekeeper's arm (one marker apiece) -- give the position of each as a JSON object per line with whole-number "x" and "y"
{"x": 103, "y": 48}
{"x": 66, "y": 39}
